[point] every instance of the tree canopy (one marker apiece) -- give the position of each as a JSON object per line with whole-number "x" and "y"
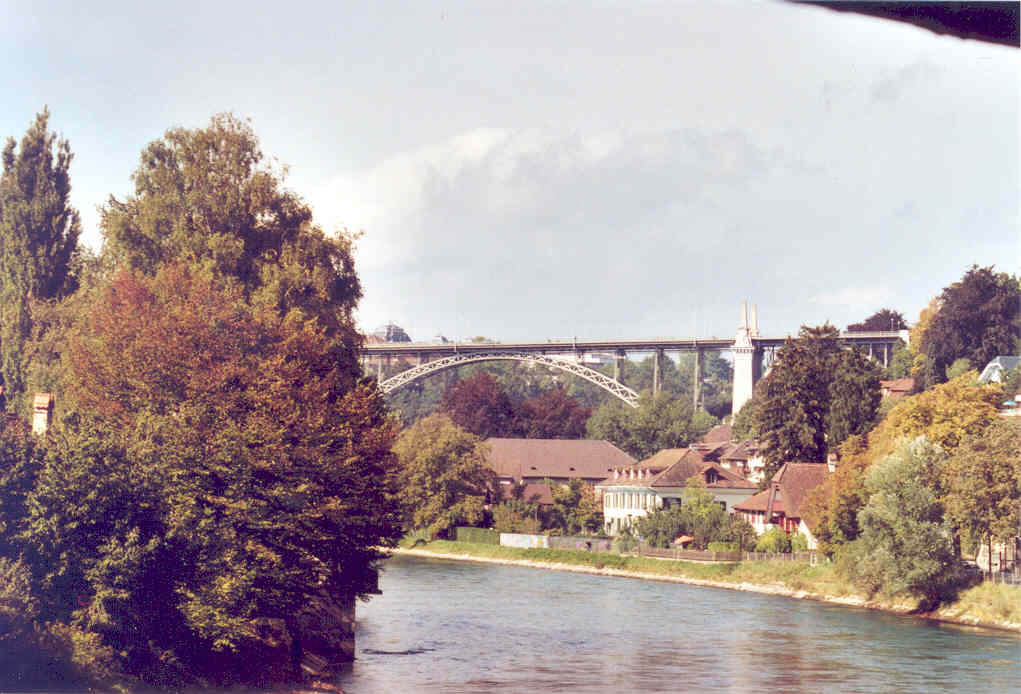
{"x": 978, "y": 318}
{"x": 442, "y": 479}
{"x": 815, "y": 396}
{"x": 38, "y": 238}
{"x": 660, "y": 421}
{"x": 883, "y": 319}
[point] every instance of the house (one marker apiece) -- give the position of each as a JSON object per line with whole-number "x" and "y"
{"x": 741, "y": 457}
{"x": 660, "y": 481}
{"x": 997, "y": 369}
{"x": 534, "y": 461}
{"x": 781, "y": 504}
{"x": 897, "y": 388}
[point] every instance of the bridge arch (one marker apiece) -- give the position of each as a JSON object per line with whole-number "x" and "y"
{"x": 591, "y": 375}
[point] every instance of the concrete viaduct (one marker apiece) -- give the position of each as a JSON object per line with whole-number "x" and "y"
{"x": 748, "y": 347}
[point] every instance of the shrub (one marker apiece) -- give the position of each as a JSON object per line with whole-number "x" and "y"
{"x": 774, "y": 541}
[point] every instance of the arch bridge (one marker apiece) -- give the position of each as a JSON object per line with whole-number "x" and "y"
{"x": 751, "y": 351}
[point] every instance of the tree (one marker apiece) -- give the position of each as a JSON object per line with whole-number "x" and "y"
{"x": 945, "y": 415}
{"x": 479, "y": 405}
{"x": 204, "y": 197}
{"x": 982, "y": 480}
{"x": 221, "y": 467}
{"x": 552, "y": 415}
{"x": 906, "y": 544}
{"x": 883, "y": 319}
{"x": 38, "y": 239}
{"x": 815, "y": 396}
{"x": 660, "y": 421}
{"x": 575, "y": 509}
{"x": 978, "y": 318}
{"x": 442, "y": 477}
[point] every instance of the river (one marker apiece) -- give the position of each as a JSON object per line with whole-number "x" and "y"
{"x": 446, "y": 626}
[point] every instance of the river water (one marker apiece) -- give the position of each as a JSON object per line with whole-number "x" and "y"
{"x": 445, "y": 626}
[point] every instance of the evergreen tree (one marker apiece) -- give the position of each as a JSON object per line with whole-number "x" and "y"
{"x": 38, "y": 237}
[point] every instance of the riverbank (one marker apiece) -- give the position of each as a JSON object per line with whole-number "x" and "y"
{"x": 989, "y": 606}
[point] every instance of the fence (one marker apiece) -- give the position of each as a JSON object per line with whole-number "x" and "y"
{"x": 696, "y": 555}
{"x": 1010, "y": 577}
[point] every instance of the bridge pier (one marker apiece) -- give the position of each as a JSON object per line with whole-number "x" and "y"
{"x": 696, "y": 379}
{"x": 747, "y": 359}
{"x": 657, "y": 371}
{"x": 617, "y": 359}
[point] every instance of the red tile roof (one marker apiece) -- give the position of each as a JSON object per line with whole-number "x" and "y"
{"x": 792, "y": 483}
{"x": 674, "y": 467}
{"x": 587, "y": 459}
{"x": 721, "y": 433}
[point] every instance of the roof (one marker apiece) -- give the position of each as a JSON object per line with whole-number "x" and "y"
{"x": 538, "y": 492}
{"x": 795, "y": 481}
{"x": 742, "y": 451}
{"x": 664, "y": 459}
{"x": 899, "y": 385}
{"x": 583, "y": 458}
{"x": 759, "y": 502}
{"x": 722, "y": 433}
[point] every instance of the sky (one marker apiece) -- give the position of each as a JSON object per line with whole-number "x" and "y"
{"x": 529, "y": 171}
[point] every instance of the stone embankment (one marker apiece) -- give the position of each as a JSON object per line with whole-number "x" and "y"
{"x": 949, "y": 614}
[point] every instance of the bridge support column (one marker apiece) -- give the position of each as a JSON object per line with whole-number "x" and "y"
{"x": 696, "y": 379}
{"x": 617, "y": 359}
{"x": 657, "y": 371}
{"x": 747, "y": 360}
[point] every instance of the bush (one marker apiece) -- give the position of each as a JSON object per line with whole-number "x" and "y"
{"x": 773, "y": 541}
{"x": 479, "y": 536}
{"x": 799, "y": 543}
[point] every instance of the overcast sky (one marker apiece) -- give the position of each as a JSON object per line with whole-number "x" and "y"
{"x": 595, "y": 169}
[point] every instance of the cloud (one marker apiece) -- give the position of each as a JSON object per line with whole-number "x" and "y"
{"x": 891, "y": 85}
{"x": 857, "y": 298}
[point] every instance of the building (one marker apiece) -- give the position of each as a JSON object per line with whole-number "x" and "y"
{"x": 660, "y": 481}
{"x": 534, "y": 461}
{"x": 897, "y": 388}
{"x": 781, "y": 504}
{"x": 741, "y": 457}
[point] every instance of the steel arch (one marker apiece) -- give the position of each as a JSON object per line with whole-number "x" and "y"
{"x": 591, "y": 375}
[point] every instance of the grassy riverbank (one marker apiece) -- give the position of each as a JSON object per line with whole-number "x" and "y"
{"x": 988, "y": 605}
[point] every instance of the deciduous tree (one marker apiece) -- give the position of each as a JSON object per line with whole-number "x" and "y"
{"x": 480, "y": 405}
{"x": 978, "y": 318}
{"x": 883, "y": 319}
{"x": 443, "y": 478}
{"x": 659, "y": 422}
{"x": 552, "y": 415}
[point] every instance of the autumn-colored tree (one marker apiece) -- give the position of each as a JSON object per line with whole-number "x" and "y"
{"x": 442, "y": 478}
{"x": 575, "y": 509}
{"x": 480, "y": 405}
{"x": 222, "y": 466}
{"x": 944, "y": 415}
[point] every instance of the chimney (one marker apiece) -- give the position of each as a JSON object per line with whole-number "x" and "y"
{"x": 42, "y": 412}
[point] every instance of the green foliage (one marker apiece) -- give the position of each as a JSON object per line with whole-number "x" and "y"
{"x": 901, "y": 361}
{"x": 978, "y": 318}
{"x": 816, "y": 396}
{"x": 774, "y": 541}
{"x": 38, "y": 238}
{"x": 481, "y": 536}
{"x": 959, "y": 367}
{"x": 883, "y": 319}
{"x": 982, "y": 481}
{"x": 658, "y": 422}
{"x": 204, "y": 197}
{"x": 699, "y": 516}
{"x": 799, "y": 543}
{"x": 906, "y": 545}
{"x": 442, "y": 476}
{"x": 575, "y": 509}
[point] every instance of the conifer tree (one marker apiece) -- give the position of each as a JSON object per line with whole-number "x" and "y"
{"x": 38, "y": 237}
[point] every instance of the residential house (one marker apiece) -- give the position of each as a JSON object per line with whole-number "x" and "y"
{"x": 534, "y": 461}
{"x": 741, "y": 457}
{"x": 781, "y": 504}
{"x": 897, "y": 388}
{"x": 660, "y": 481}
